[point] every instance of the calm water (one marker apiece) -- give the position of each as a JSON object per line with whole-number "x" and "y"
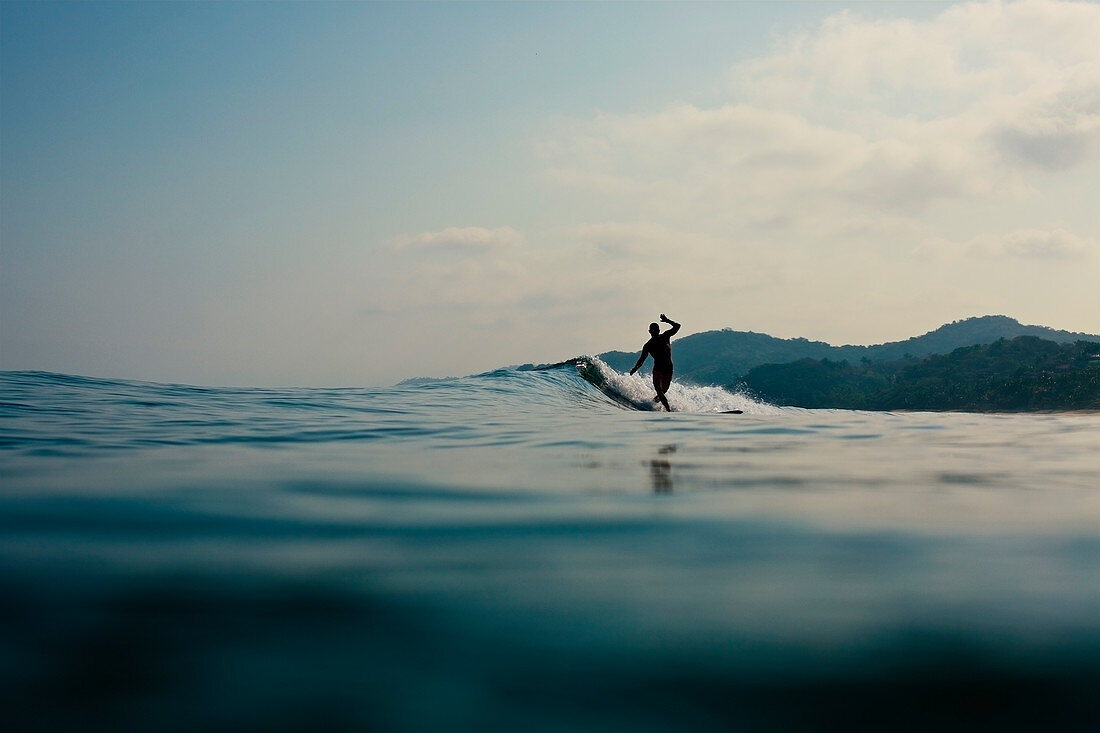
{"x": 538, "y": 550}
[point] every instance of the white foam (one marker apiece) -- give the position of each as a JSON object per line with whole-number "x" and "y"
{"x": 682, "y": 397}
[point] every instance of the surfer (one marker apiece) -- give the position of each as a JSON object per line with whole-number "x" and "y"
{"x": 660, "y": 349}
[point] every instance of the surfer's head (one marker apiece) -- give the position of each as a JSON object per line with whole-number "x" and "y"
{"x": 654, "y": 329}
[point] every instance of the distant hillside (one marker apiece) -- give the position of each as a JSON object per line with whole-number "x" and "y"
{"x": 723, "y": 357}
{"x": 971, "y": 332}
{"x": 1025, "y": 373}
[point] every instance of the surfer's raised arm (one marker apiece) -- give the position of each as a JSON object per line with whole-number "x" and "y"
{"x": 669, "y": 321}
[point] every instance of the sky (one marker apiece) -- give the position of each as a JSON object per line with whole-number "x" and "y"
{"x": 338, "y": 194}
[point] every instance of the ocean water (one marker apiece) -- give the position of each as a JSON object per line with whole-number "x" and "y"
{"x": 538, "y": 550}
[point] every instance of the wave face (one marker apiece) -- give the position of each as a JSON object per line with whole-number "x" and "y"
{"x": 71, "y": 415}
{"x": 584, "y": 382}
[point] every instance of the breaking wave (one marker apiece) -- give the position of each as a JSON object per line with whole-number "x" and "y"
{"x": 635, "y": 392}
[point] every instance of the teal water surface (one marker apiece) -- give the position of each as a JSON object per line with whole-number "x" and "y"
{"x": 538, "y": 550}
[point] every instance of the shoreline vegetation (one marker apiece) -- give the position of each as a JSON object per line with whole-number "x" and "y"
{"x": 1022, "y": 375}
{"x": 986, "y": 364}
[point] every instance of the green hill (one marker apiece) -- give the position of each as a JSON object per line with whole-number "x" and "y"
{"x": 724, "y": 357}
{"x": 1025, "y": 373}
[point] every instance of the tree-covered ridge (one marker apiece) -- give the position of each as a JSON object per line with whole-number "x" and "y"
{"x": 1025, "y": 373}
{"x": 724, "y": 357}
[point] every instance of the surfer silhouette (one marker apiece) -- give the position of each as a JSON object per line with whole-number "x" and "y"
{"x": 660, "y": 349}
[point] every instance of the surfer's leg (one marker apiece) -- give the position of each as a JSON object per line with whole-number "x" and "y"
{"x": 661, "y": 382}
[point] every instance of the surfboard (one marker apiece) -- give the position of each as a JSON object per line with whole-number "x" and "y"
{"x": 733, "y": 412}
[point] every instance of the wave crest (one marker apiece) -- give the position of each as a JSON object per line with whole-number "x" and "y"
{"x": 636, "y": 392}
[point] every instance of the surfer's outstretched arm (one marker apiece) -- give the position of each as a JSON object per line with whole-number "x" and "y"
{"x": 641, "y": 359}
{"x": 669, "y": 321}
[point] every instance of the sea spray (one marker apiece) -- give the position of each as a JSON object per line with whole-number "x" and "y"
{"x": 637, "y": 391}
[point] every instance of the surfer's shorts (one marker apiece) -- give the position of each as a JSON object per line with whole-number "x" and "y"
{"x": 661, "y": 381}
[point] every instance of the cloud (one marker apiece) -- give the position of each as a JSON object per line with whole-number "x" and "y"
{"x": 932, "y": 68}
{"x": 1034, "y": 244}
{"x": 460, "y": 239}
{"x": 890, "y": 117}
{"x": 560, "y": 272}
{"x": 614, "y": 241}
{"x": 1055, "y": 130}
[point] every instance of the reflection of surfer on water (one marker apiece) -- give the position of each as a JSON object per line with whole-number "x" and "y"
{"x": 660, "y": 349}
{"x": 660, "y": 470}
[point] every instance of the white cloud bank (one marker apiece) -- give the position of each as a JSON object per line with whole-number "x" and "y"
{"x": 863, "y": 118}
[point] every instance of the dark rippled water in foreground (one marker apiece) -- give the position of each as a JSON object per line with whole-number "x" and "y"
{"x": 534, "y": 551}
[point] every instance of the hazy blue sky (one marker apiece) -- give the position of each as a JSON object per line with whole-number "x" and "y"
{"x": 353, "y": 193}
